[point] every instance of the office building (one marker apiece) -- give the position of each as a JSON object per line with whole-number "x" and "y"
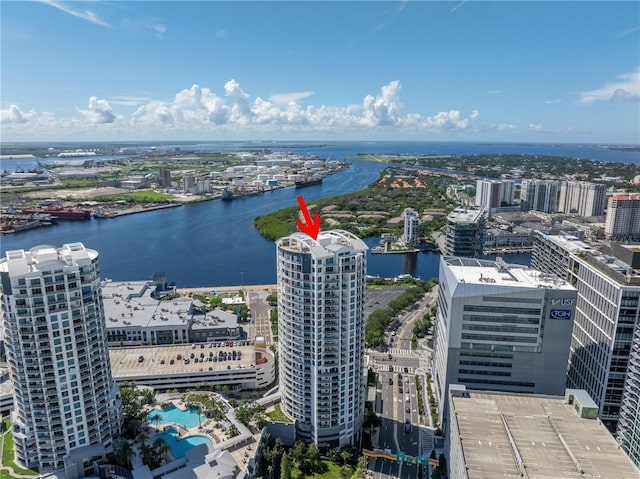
{"x": 607, "y": 309}
{"x": 582, "y": 198}
{"x": 465, "y": 232}
{"x": 539, "y": 195}
{"x": 623, "y": 218}
{"x": 321, "y": 295}
{"x": 66, "y": 404}
{"x": 628, "y": 433}
{"x": 411, "y": 220}
{"x": 530, "y": 436}
{"x": 501, "y": 327}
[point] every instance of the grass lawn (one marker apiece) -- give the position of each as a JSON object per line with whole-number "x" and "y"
{"x": 278, "y": 415}
{"x": 7, "y": 456}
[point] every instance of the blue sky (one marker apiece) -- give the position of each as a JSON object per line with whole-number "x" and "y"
{"x": 372, "y": 70}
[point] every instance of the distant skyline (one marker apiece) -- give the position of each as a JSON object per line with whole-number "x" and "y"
{"x": 507, "y": 71}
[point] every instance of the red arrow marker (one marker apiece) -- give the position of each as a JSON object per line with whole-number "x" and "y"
{"x": 311, "y": 227}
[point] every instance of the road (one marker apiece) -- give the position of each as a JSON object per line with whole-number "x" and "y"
{"x": 397, "y": 369}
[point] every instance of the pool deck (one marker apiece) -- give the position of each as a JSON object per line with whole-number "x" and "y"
{"x": 241, "y": 454}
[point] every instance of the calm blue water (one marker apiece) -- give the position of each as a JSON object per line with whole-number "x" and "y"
{"x": 215, "y": 244}
{"x": 179, "y": 446}
{"x": 187, "y": 419}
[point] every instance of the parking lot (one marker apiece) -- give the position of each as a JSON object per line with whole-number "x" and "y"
{"x": 183, "y": 358}
{"x": 379, "y": 298}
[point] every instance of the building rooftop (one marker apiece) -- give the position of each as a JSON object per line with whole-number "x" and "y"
{"x": 328, "y": 243}
{"x": 498, "y": 273}
{"x": 157, "y": 361}
{"x": 617, "y": 261}
{"x": 466, "y": 214}
{"x": 547, "y": 433}
{"x": 131, "y": 303}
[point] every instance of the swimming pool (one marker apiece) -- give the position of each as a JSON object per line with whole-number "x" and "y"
{"x": 179, "y": 446}
{"x": 186, "y": 418}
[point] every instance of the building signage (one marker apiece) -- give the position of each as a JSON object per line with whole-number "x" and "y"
{"x": 562, "y": 301}
{"x": 560, "y": 314}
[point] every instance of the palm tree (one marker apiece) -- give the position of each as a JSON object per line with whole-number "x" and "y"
{"x": 161, "y": 448}
{"x": 156, "y": 418}
{"x": 123, "y": 451}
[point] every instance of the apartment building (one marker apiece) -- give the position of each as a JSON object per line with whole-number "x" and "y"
{"x": 411, "y": 220}
{"x": 582, "y": 198}
{"x": 321, "y": 296}
{"x": 539, "y": 195}
{"x": 623, "y": 218}
{"x": 67, "y": 408}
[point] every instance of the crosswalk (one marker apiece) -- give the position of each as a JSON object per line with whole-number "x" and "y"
{"x": 401, "y": 352}
{"x": 393, "y": 368}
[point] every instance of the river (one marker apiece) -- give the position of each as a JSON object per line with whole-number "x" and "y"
{"x": 214, "y": 243}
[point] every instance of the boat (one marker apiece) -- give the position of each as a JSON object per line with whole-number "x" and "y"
{"x": 60, "y": 213}
{"x": 99, "y": 214}
{"x": 228, "y": 194}
{"x": 314, "y": 180}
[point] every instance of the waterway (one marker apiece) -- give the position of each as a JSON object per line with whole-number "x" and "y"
{"x": 214, "y": 243}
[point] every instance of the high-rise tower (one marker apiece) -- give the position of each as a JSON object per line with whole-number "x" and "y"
{"x": 321, "y": 296}
{"x": 54, "y": 330}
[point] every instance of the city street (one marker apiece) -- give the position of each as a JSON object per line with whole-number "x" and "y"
{"x": 397, "y": 369}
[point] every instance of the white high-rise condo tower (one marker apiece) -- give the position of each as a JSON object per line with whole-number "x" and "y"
{"x": 67, "y": 407}
{"x": 411, "y": 221}
{"x": 321, "y": 296}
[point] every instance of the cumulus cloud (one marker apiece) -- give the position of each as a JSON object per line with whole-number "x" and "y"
{"x": 199, "y": 111}
{"x": 241, "y": 109}
{"x": 506, "y": 126}
{"x": 536, "y": 127}
{"x": 627, "y": 88}
{"x": 385, "y": 108}
{"x": 552, "y": 102}
{"x": 98, "y": 112}
{"x": 14, "y": 115}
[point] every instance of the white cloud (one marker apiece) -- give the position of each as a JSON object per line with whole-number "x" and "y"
{"x": 159, "y": 29}
{"x": 241, "y": 109}
{"x": 552, "y": 102}
{"x": 98, "y": 112}
{"x": 286, "y": 98}
{"x": 385, "y": 108}
{"x": 536, "y": 127}
{"x": 72, "y": 8}
{"x": 627, "y": 88}
{"x": 506, "y": 126}
{"x": 494, "y": 92}
{"x": 14, "y": 115}
{"x": 197, "y": 112}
